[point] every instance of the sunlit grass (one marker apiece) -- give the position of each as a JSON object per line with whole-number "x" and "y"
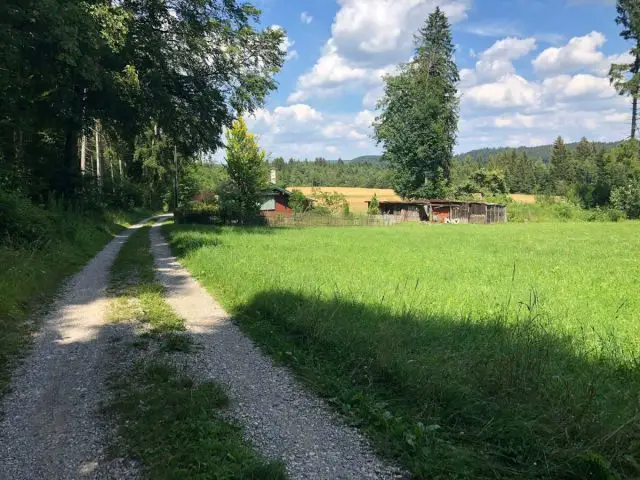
{"x": 463, "y": 351}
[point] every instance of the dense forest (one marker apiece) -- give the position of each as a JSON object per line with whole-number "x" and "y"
{"x": 106, "y": 104}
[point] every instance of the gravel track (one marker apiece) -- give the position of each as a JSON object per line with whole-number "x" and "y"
{"x": 283, "y": 421}
{"x": 51, "y": 428}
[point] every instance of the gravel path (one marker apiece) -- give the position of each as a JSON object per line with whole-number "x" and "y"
{"x": 50, "y": 427}
{"x": 282, "y": 420}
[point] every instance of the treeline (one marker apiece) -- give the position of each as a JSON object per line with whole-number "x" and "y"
{"x": 106, "y": 103}
{"x": 590, "y": 174}
{"x": 320, "y": 172}
{"x": 541, "y": 152}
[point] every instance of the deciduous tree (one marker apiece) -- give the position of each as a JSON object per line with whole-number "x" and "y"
{"x": 247, "y": 168}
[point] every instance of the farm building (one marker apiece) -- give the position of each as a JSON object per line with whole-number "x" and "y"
{"x": 445, "y": 211}
{"x": 275, "y": 201}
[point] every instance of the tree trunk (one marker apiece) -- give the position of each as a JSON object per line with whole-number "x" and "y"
{"x": 634, "y": 94}
{"x": 68, "y": 174}
{"x": 98, "y": 166}
{"x": 83, "y": 153}
{"x": 634, "y": 116}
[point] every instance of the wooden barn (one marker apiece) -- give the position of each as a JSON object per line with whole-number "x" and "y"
{"x": 445, "y": 211}
{"x": 275, "y": 201}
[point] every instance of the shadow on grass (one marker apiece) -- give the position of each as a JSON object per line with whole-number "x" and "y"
{"x": 461, "y": 399}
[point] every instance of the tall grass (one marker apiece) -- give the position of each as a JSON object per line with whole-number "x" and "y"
{"x": 507, "y": 351}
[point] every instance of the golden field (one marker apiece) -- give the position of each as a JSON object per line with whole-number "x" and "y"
{"x": 357, "y": 197}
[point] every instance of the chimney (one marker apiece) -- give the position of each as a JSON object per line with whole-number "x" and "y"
{"x": 273, "y": 177}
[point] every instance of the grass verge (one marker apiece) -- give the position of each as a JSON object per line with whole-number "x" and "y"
{"x": 429, "y": 341}
{"x": 175, "y": 426}
{"x": 53, "y": 245}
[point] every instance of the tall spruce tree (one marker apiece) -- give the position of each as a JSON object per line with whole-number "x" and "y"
{"x": 418, "y": 120}
{"x": 561, "y": 168}
{"x": 625, "y": 77}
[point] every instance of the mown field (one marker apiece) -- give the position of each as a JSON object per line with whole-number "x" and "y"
{"x": 507, "y": 351}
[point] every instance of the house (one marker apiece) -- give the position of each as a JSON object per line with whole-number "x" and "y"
{"x": 276, "y": 202}
{"x": 445, "y": 211}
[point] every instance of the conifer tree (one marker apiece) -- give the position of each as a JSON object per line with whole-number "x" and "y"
{"x": 418, "y": 123}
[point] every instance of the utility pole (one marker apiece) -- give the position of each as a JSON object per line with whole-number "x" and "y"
{"x": 175, "y": 185}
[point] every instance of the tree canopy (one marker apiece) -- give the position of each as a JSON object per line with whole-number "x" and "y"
{"x": 152, "y": 73}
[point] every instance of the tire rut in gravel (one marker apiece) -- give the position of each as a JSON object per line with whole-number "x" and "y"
{"x": 50, "y": 426}
{"x": 281, "y": 418}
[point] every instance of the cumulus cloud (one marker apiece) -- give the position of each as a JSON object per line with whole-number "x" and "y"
{"x": 581, "y": 85}
{"x": 509, "y": 91}
{"x": 368, "y": 37}
{"x": 306, "y": 18}
{"x": 497, "y": 60}
{"x": 301, "y": 131}
{"x": 579, "y": 53}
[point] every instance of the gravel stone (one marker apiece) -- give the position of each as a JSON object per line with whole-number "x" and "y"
{"x": 51, "y": 427}
{"x": 281, "y": 419}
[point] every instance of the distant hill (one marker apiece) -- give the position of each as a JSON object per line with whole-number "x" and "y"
{"x": 367, "y": 159}
{"x": 542, "y": 152}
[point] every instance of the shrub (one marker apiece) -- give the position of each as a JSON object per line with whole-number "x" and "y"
{"x": 198, "y": 213}
{"x": 22, "y": 222}
{"x": 334, "y": 202}
{"x": 374, "y": 206}
{"x": 298, "y": 202}
{"x": 627, "y": 199}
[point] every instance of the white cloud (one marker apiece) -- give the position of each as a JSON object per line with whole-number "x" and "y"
{"x": 300, "y": 130}
{"x": 579, "y": 53}
{"x": 497, "y": 61}
{"x": 515, "y": 121}
{"x": 510, "y": 48}
{"x": 367, "y": 37}
{"x": 581, "y": 85}
{"x": 365, "y": 118}
{"x": 495, "y": 29}
{"x": 618, "y": 118}
{"x": 621, "y": 58}
{"x": 509, "y": 91}
{"x": 379, "y": 32}
{"x": 306, "y": 18}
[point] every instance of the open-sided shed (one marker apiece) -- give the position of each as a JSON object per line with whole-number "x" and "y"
{"x": 445, "y": 211}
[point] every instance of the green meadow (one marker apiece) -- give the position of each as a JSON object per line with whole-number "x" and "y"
{"x": 506, "y": 351}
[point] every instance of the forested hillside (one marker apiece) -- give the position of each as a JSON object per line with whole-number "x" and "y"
{"x": 542, "y": 152}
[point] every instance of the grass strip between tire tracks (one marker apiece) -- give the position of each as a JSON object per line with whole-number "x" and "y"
{"x": 178, "y": 428}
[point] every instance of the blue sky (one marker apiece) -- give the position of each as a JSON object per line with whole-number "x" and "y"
{"x": 531, "y": 70}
